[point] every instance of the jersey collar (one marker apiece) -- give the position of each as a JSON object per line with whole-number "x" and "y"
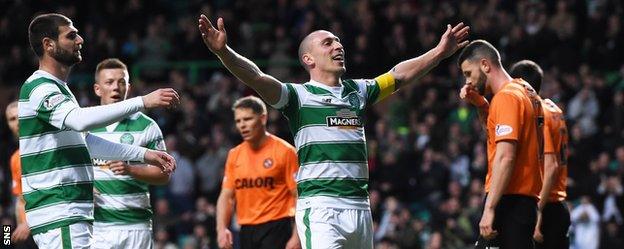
{"x": 336, "y": 90}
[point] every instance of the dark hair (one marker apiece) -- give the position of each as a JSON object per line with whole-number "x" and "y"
{"x": 45, "y": 25}
{"x": 251, "y": 102}
{"x": 110, "y": 63}
{"x": 479, "y": 49}
{"x": 528, "y": 71}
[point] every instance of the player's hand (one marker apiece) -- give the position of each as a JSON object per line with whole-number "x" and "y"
{"x": 470, "y": 94}
{"x": 21, "y": 233}
{"x": 163, "y": 97}
{"x": 224, "y": 239}
{"x": 486, "y": 227}
{"x": 214, "y": 38}
{"x": 118, "y": 167}
{"x": 293, "y": 243}
{"x": 537, "y": 234}
{"x": 160, "y": 159}
{"x": 453, "y": 39}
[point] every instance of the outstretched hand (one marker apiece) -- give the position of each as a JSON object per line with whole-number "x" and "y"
{"x": 453, "y": 39}
{"x": 214, "y": 38}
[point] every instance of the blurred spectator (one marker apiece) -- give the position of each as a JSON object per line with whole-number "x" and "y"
{"x": 612, "y": 237}
{"x": 583, "y": 109}
{"x": 182, "y": 183}
{"x": 210, "y": 169}
{"x": 611, "y": 199}
{"x": 586, "y": 225}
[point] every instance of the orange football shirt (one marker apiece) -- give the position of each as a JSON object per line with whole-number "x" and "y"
{"x": 556, "y": 141}
{"x": 516, "y": 115}
{"x": 16, "y": 174}
{"x": 263, "y": 180}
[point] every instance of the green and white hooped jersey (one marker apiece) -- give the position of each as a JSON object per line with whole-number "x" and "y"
{"x": 57, "y": 174}
{"x": 327, "y": 123}
{"x": 121, "y": 199}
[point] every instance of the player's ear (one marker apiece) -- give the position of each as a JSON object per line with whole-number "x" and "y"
{"x": 128, "y": 88}
{"x": 48, "y": 45}
{"x": 97, "y": 89}
{"x": 263, "y": 119}
{"x": 308, "y": 59}
{"x": 485, "y": 65}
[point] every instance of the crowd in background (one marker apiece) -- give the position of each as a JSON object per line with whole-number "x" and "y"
{"x": 426, "y": 148}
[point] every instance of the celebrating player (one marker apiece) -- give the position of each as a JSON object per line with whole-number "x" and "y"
{"x": 325, "y": 116}
{"x": 260, "y": 178}
{"x": 57, "y": 172}
{"x": 553, "y": 220}
{"x": 514, "y": 129}
{"x": 122, "y": 203}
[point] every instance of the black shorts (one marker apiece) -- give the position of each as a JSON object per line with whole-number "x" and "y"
{"x": 555, "y": 226}
{"x": 514, "y": 220}
{"x": 270, "y": 235}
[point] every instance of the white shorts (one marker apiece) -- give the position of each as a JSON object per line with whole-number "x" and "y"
{"x": 74, "y": 236}
{"x": 107, "y": 238}
{"x": 334, "y": 228}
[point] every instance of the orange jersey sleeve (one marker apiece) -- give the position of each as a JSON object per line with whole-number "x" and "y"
{"x": 16, "y": 174}
{"x": 507, "y": 115}
{"x": 228, "y": 176}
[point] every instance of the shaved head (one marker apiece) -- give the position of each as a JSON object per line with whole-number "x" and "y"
{"x": 305, "y": 45}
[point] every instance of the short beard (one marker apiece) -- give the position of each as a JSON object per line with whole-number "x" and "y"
{"x": 64, "y": 57}
{"x": 481, "y": 82}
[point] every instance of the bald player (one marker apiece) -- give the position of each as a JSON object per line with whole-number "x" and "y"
{"x": 326, "y": 117}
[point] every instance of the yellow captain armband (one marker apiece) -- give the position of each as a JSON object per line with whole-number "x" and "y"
{"x": 387, "y": 85}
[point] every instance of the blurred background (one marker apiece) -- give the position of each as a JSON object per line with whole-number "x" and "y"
{"x": 426, "y": 148}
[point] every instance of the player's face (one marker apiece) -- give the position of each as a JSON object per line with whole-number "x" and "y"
{"x": 474, "y": 76}
{"x": 67, "y": 47}
{"x": 11, "y": 117}
{"x": 111, "y": 85}
{"x": 250, "y": 125}
{"x": 328, "y": 53}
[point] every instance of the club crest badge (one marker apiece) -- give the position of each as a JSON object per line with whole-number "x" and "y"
{"x": 126, "y": 138}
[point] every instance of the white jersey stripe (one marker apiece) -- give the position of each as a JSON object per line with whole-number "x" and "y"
{"x": 80, "y": 173}
{"x": 332, "y": 169}
{"x": 139, "y": 200}
{"x": 49, "y": 142}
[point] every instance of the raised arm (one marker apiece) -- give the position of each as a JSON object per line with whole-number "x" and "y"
{"x": 412, "y": 70}
{"x": 245, "y": 70}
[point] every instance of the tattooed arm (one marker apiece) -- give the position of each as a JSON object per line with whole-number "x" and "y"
{"x": 267, "y": 86}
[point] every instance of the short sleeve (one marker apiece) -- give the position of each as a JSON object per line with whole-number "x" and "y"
{"x": 153, "y": 138}
{"x": 379, "y": 88}
{"x": 51, "y": 105}
{"x": 507, "y": 113}
{"x": 292, "y": 167}
{"x": 228, "y": 175}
